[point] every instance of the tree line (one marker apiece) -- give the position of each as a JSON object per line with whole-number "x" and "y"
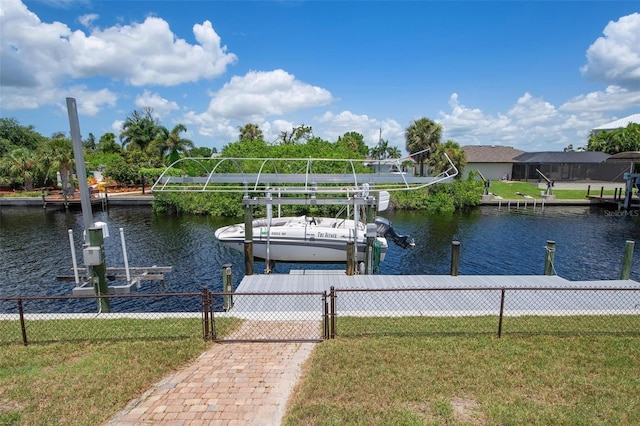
{"x": 29, "y": 160}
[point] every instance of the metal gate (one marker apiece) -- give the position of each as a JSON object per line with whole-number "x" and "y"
{"x": 266, "y": 316}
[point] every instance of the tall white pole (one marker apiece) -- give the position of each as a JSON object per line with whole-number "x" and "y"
{"x": 81, "y": 171}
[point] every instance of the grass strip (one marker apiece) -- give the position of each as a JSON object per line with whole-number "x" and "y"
{"x": 399, "y": 377}
{"x": 86, "y": 380}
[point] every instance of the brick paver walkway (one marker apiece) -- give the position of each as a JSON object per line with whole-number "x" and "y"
{"x": 230, "y": 384}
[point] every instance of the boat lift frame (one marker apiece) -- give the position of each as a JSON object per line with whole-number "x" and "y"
{"x": 310, "y": 181}
{"x": 309, "y": 186}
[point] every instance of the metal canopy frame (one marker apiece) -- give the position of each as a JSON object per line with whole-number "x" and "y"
{"x": 310, "y": 179}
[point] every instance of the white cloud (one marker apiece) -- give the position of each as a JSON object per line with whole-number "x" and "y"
{"x": 260, "y": 94}
{"x": 87, "y": 20}
{"x": 335, "y": 125}
{"x": 149, "y": 53}
{"x": 615, "y": 58}
{"x": 613, "y": 98}
{"x": 46, "y": 56}
{"x": 530, "y": 124}
{"x": 116, "y": 127}
{"x": 161, "y": 107}
{"x": 90, "y": 102}
{"x": 530, "y": 111}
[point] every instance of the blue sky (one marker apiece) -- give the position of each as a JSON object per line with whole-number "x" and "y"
{"x": 535, "y": 75}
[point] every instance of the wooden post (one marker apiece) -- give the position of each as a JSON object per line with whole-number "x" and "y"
{"x": 588, "y": 190}
{"x": 248, "y": 240}
{"x": 549, "y": 257}
{"x": 455, "y": 257}
{"x": 227, "y": 286}
{"x": 601, "y": 191}
{"x": 351, "y": 258}
{"x": 626, "y": 260}
{"x": 98, "y": 272}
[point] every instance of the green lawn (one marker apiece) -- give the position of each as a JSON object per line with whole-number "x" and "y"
{"x": 400, "y": 371}
{"x": 412, "y": 377}
{"x": 77, "y": 378}
{"x": 510, "y": 190}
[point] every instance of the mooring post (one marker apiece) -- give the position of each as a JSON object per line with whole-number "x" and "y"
{"x": 626, "y": 260}
{"x": 227, "y": 280}
{"x": 98, "y": 269}
{"x": 351, "y": 257}
{"x": 549, "y": 257}
{"x": 455, "y": 257}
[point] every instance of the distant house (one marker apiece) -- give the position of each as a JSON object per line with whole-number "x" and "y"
{"x": 567, "y": 166}
{"x": 495, "y": 162}
{"x": 617, "y": 124}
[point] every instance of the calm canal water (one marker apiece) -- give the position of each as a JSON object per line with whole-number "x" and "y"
{"x": 34, "y": 246}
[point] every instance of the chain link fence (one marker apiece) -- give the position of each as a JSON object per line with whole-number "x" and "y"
{"x": 275, "y": 316}
{"x": 77, "y": 318}
{"x": 315, "y": 316}
{"x": 482, "y": 310}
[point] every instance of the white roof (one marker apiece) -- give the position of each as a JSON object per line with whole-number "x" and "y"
{"x": 623, "y": 122}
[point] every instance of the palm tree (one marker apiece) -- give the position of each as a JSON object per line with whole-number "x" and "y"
{"x": 58, "y": 156}
{"x": 170, "y": 144}
{"x": 250, "y": 132}
{"x": 139, "y": 130}
{"x": 438, "y": 162}
{"x": 20, "y": 165}
{"x": 108, "y": 145}
{"x": 394, "y": 152}
{"x": 379, "y": 152}
{"x": 423, "y": 134}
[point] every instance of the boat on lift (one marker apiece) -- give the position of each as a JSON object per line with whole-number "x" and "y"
{"x": 310, "y": 239}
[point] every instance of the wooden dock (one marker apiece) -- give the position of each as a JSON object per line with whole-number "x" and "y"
{"x": 471, "y": 295}
{"x": 59, "y": 200}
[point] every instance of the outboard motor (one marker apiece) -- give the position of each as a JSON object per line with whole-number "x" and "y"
{"x": 385, "y": 229}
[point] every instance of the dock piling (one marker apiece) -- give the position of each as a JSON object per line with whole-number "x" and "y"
{"x": 549, "y": 257}
{"x": 227, "y": 285}
{"x": 627, "y": 260}
{"x": 455, "y": 257}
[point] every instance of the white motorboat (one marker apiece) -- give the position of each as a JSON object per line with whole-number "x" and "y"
{"x": 309, "y": 239}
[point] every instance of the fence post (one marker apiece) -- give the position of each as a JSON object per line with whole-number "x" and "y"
{"x": 325, "y": 318}
{"x": 626, "y": 260}
{"x": 227, "y": 280}
{"x": 501, "y": 313}
{"x": 22, "y": 324}
{"x": 205, "y": 313}
{"x": 248, "y": 239}
{"x": 332, "y": 313}
{"x": 549, "y": 257}
{"x": 455, "y": 257}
